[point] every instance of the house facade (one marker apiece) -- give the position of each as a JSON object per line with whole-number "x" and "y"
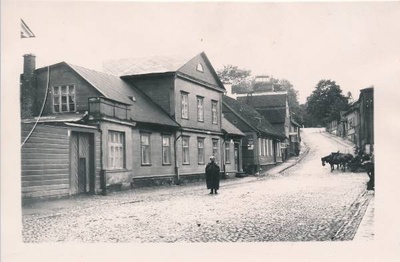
{"x": 107, "y": 131}
{"x": 352, "y": 122}
{"x": 294, "y": 137}
{"x": 274, "y": 107}
{"x": 366, "y": 101}
{"x": 261, "y": 145}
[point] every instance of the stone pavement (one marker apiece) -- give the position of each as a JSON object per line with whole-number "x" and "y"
{"x": 305, "y": 203}
{"x": 366, "y": 228}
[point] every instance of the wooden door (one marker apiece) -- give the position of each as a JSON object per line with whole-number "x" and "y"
{"x": 236, "y": 156}
{"x": 81, "y": 163}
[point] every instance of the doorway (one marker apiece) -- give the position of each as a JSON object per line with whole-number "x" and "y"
{"x": 82, "y": 163}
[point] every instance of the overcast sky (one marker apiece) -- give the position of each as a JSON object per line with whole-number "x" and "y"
{"x": 355, "y": 44}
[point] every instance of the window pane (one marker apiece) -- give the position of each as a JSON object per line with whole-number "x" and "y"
{"x": 165, "y": 141}
{"x": 64, "y": 90}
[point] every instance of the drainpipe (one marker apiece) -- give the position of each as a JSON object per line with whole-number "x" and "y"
{"x": 175, "y": 155}
{"x": 102, "y": 171}
{"x": 223, "y": 159}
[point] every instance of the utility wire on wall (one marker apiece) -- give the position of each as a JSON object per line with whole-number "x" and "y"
{"x": 41, "y": 110}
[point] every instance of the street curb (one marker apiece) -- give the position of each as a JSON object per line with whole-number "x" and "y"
{"x": 336, "y": 139}
{"x": 298, "y": 160}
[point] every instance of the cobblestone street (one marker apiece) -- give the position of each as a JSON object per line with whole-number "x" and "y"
{"x": 304, "y": 203}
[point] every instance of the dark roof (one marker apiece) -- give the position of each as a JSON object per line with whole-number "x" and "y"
{"x": 274, "y": 115}
{"x": 252, "y": 117}
{"x": 272, "y": 99}
{"x": 68, "y": 117}
{"x": 355, "y": 106}
{"x": 294, "y": 122}
{"x": 113, "y": 87}
{"x": 229, "y": 128}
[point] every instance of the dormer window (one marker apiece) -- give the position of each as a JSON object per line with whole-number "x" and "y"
{"x": 200, "y": 68}
{"x": 64, "y": 99}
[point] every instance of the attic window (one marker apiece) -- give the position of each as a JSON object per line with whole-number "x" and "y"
{"x": 133, "y": 98}
{"x": 200, "y": 68}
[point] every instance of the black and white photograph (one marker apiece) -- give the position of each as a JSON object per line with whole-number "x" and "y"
{"x": 257, "y": 127}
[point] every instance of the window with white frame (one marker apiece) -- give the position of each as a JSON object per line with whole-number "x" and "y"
{"x": 270, "y": 143}
{"x": 214, "y": 112}
{"x": 200, "y": 150}
{"x": 64, "y": 99}
{"x": 200, "y": 109}
{"x": 185, "y": 150}
{"x": 215, "y": 150}
{"x": 227, "y": 152}
{"x": 116, "y": 150}
{"x": 185, "y": 105}
{"x": 260, "y": 146}
{"x": 278, "y": 149}
{"x": 145, "y": 148}
{"x": 166, "y": 150}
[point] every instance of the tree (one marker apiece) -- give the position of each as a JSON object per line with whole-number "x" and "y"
{"x": 325, "y": 103}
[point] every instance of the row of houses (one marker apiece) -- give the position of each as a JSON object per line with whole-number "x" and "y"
{"x": 141, "y": 122}
{"x": 357, "y": 123}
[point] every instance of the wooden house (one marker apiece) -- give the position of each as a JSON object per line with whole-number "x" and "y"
{"x": 262, "y": 144}
{"x": 274, "y": 107}
{"x": 85, "y": 131}
{"x": 190, "y": 92}
{"x": 366, "y": 102}
{"x": 294, "y": 137}
{"x": 352, "y": 122}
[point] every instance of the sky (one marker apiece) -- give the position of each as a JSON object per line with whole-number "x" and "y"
{"x": 355, "y": 44}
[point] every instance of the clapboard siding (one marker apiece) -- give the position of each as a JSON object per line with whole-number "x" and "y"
{"x": 34, "y": 172}
{"x": 46, "y": 182}
{"x": 45, "y": 161}
{"x": 44, "y": 177}
{"x": 45, "y": 194}
{"x": 35, "y": 155}
{"x": 44, "y": 166}
{"x": 44, "y": 188}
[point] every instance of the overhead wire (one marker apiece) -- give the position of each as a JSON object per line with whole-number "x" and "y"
{"x": 41, "y": 110}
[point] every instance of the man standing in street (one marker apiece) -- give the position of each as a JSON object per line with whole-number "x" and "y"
{"x": 212, "y": 176}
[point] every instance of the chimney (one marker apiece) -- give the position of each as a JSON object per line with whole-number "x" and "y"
{"x": 29, "y": 64}
{"x": 28, "y": 87}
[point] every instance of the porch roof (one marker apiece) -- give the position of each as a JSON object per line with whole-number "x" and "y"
{"x": 229, "y": 128}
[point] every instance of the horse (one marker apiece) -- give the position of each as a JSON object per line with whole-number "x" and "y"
{"x": 336, "y": 158}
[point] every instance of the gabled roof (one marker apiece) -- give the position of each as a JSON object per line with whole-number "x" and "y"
{"x": 272, "y": 99}
{"x": 145, "y": 65}
{"x": 294, "y": 122}
{"x": 251, "y": 117}
{"x": 229, "y": 128}
{"x": 155, "y": 65}
{"x": 113, "y": 87}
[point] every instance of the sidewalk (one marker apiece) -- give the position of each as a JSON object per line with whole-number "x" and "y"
{"x": 365, "y": 231}
{"x": 291, "y": 161}
{"x": 338, "y": 139}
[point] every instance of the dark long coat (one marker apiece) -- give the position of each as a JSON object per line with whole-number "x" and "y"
{"x": 212, "y": 176}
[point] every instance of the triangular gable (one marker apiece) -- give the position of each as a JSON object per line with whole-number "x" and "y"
{"x": 199, "y": 67}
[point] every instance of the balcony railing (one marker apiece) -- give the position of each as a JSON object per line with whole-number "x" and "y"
{"x": 101, "y": 107}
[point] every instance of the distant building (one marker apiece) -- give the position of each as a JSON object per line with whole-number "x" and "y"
{"x": 262, "y": 144}
{"x": 274, "y": 106}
